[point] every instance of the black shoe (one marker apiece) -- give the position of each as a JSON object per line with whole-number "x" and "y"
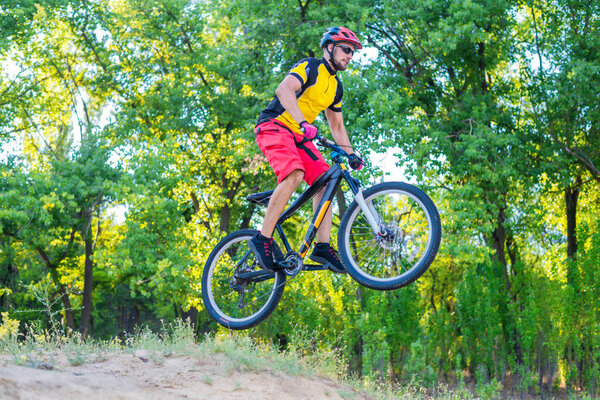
{"x": 325, "y": 254}
{"x": 262, "y": 247}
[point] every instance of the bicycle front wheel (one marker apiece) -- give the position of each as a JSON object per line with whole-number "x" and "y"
{"x": 237, "y": 293}
{"x": 406, "y": 244}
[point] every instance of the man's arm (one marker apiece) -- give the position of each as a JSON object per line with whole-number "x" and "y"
{"x": 338, "y": 130}
{"x": 286, "y": 93}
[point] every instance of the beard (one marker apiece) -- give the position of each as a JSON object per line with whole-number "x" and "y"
{"x": 341, "y": 65}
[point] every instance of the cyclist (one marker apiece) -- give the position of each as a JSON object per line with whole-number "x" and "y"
{"x": 284, "y": 131}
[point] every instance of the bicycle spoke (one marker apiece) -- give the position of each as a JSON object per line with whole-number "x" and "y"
{"x": 406, "y": 229}
{"x": 366, "y": 246}
{"x": 364, "y": 241}
{"x": 374, "y": 251}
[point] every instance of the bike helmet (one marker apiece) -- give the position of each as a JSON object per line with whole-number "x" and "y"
{"x": 340, "y": 34}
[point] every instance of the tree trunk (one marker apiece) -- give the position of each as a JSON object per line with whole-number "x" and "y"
{"x": 10, "y": 282}
{"x": 192, "y": 316}
{"x": 69, "y": 317}
{"x": 86, "y": 312}
{"x": 482, "y": 67}
{"x": 62, "y": 290}
{"x": 571, "y": 196}
{"x": 498, "y": 244}
{"x": 225, "y": 219}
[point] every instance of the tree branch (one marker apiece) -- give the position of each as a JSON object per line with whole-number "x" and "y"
{"x": 537, "y": 43}
{"x": 186, "y": 40}
{"x": 387, "y": 55}
{"x": 578, "y": 154}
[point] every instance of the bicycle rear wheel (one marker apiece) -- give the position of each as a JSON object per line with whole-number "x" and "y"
{"x": 412, "y": 233}
{"x": 237, "y": 293}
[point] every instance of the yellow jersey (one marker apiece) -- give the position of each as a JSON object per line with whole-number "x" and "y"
{"x": 320, "y": 89}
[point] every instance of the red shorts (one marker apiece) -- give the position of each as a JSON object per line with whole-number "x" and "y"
{"x": 277, "y": 143}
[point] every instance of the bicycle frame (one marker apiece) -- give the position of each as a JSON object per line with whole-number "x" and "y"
{"x": 331, "y": 181}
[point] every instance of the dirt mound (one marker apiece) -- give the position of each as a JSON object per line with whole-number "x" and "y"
{"x": 143, "y": 376}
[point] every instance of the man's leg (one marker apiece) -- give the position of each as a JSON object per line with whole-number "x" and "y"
{"x": 279, "y": 200}
{"x": 324, "y": 232}
{"x": 323, "y": 252}
{"x": 262, "y": 244}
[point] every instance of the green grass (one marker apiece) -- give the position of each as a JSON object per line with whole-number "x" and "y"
{"x": 237, "y": 351}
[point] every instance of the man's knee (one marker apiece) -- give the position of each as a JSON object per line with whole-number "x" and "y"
{"x": 294, "y": 178}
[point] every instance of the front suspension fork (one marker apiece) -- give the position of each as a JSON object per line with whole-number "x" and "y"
{"x": 370, "y": 213}
{"x": 367, "y": 208}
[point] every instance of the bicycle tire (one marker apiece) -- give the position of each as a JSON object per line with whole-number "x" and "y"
{"x": 412, "y": 222}
{"x": 223, "y": 291}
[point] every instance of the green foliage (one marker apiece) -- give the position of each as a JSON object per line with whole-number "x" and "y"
{"x": 418, "y": 370}
{"x": 9, "y": 331}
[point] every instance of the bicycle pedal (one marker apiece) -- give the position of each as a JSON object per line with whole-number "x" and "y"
{"x": 315, "y": 267}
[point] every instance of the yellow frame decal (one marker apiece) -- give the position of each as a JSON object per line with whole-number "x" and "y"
{"x": 322, "y": 213}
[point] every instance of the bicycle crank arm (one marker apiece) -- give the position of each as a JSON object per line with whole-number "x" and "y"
{"x": 370, "y": 213}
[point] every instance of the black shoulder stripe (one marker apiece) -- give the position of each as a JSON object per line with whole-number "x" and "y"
{"x": 297, "y": 76}
{"x": 339, "y": 94}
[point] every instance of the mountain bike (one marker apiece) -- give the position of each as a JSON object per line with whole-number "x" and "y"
{"x": 388, "y": 237}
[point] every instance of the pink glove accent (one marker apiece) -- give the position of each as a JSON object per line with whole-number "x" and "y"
{"x": 309, "y": 130}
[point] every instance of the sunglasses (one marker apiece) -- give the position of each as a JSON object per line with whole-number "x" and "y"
{"x": 346, "y": 49}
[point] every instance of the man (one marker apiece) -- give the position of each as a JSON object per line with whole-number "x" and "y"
{"x": 284, "y": 132}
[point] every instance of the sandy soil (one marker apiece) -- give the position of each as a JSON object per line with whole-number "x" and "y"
{"x": 141, "y": 376}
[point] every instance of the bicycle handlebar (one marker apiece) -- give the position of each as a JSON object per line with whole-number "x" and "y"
{"x": 330, "y": 144}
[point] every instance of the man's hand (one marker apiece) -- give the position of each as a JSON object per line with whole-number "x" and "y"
{"x": 309, "y": 130}
{"x": 355, "y": 162}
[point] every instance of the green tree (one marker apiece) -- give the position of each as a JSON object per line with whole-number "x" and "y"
{"x": 65, "y": 170}
{"x": 563, "y": 39}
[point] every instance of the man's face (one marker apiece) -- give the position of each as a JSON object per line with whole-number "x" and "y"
{"x": 343, "y": 53}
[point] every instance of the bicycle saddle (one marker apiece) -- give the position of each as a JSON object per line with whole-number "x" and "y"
{"x": 261, "y": 198}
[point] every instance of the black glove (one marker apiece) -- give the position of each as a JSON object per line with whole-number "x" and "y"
{"x": 355, "y": 162}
